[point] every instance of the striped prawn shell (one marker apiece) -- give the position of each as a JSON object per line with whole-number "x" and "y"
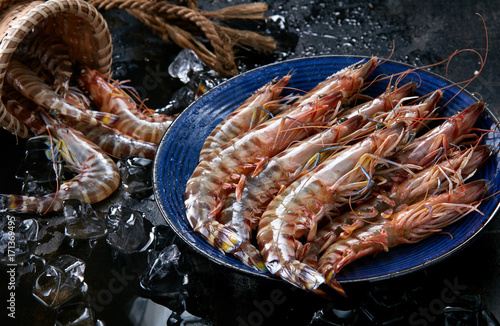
{"x": 98, "y": 176}
{"x": 115, "y": 143}
{"x": 412, "y": 224}
{"x": 34, "y": 88}
{"x": 214, "y": 177}
{"x": 297, "y": 210}
{"x": 132, "y": 121}
{"x": 52, "y": 53}
{"x": 240, "y": 120}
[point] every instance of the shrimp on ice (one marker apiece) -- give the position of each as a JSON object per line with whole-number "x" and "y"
{"x": 228, "y": 166}
{"x": 115, "y": 143}
{"x": 34, "y": 88}
{"x": 261, "y": 103}
{"x": 410, "y": 225}
{"x": 112, "y": 99}
{"x": 98, "y": 176}
{"x": 296, "y": 211}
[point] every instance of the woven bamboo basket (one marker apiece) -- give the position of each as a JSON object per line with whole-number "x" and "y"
{"x": 77, "y": 23}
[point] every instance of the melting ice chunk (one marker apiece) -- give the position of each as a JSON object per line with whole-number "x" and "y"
{"x": 82, "y": 222}
{"x": 278, "y": 20}
{"x": 186, "y": 63}
{"x": 37, "y": 168}
{"x": 163, "y": 274}
{"x": 136, "y": 174}
{"x": 61, "y": 280}
{"x": 75, "y": 314}
{"x": 17, "y": 238}
{"x": 126, "y": 230}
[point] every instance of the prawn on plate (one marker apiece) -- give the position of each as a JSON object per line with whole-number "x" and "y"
{"x": 228, "y": 166}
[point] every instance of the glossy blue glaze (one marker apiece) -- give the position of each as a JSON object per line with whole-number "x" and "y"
{"x": 178, "y": 153}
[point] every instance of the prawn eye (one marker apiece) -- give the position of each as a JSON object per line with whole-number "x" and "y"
{"x": 380, "y": 125}
{"x": 343, "y": 119}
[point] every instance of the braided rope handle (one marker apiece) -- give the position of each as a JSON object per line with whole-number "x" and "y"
{"x": 149, "y": 12}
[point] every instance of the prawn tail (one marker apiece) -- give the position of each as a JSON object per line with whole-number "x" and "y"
{"x": 298, "y": 274}
{"x": 7, "y": 202}
{"x": 26, "y": 204}
{"x": 250, "y": 255}
{"x": 332, "y": 282}
{"x": 220, "y": 236}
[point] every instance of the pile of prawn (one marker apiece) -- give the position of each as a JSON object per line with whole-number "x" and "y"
{"x": 85, "y": 117}
{"x": 324, "y": 179}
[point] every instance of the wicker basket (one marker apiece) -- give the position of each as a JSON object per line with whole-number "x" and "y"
{"x": 76, "y": 22}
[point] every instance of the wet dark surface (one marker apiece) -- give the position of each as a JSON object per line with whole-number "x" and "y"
{"x": 121, "y": 288}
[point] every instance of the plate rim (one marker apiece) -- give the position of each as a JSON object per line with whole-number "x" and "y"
{"x": 269, "y": 276}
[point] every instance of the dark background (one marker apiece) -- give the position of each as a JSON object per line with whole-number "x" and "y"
{"x": 416, "y": 32}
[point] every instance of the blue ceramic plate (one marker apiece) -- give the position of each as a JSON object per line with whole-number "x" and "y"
{"x": 178, "y": 153}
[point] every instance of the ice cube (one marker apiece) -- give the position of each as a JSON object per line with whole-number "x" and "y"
{"x": 42, "y": 168}
{"x": 61, "y": 280}
{"x": 164, "y": 278}
{"x": 386, "y": 305}
{"x": 335, "y": 316}
{"x": 184, "y": 65}
{"x": 82, "y": 222}
{"x": 78, "y": 314}
{"x": 179, "y": 101}
{"x": 464, "y": 310}
{"x": 277, "y": 22}
{"x": 163, "y": 274}
{"x": 136, "y": 175}
{"x": 17, "y": 238}
{"x": 126, "y": 231}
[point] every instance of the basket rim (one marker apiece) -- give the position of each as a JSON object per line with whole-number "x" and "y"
{"x": 32, "y": 13}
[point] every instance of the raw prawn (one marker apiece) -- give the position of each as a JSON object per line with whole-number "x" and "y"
{"x": 115, "y": 143}
{"x": 410, "y": 225}
{"x": 296, "y": 212}
{"x": 98, "y": 176}
{"x": 460, "y": 165}
{"x": 243, "y": 118}
{"x": 53, "y": 54}
{"x": 228, "y": 166}
{"x": 32, "y": 87}
{"x": 339, "y": 78}
{"x": 23, "y": 109}
{"x": 243, "y": 215}
{"x": 132, "y": 121}
{"x": 426, "y": 148}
